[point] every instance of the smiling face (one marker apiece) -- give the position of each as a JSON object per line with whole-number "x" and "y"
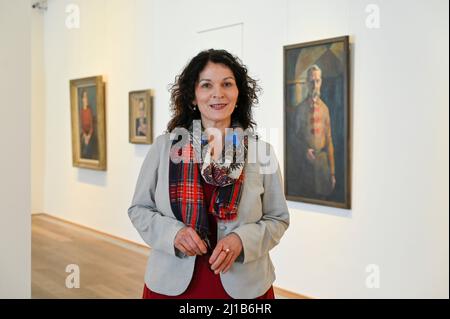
{"x": 216, "y": 94}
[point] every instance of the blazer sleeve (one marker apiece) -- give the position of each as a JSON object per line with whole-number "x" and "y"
{"x": 260, "y": 237}
{"x": 155, "y": 228}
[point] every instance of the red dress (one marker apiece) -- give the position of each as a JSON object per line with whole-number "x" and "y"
{"x": 87, "y": 120}
{"x": 204, "y": 283}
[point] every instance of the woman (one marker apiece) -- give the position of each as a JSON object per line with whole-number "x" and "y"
{"x": 87, "y": 137}
{"x": 210, "y": 222}
{"x": 141, "y": 120}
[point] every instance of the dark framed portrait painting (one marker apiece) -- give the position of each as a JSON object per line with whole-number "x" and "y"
{"x": 87, "y": 104}
{"x": 317, "y": 122}
{"x": 140, "y": 117}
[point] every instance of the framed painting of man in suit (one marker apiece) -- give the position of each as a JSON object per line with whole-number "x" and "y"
{"x": 87, "y": 104}
{"x": 317, "y": 122}
{"x": 140, "y": 117}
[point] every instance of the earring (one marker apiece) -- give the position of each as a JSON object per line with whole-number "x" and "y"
{"x": 194, "y": 108}
{"x": 235, "y": 106}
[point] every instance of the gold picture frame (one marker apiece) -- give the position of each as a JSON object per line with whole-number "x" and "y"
{"x": 140, "y": 117}
{"x": 87, "y": 105}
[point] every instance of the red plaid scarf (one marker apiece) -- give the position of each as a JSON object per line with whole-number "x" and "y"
{"x": 186, "y": 180}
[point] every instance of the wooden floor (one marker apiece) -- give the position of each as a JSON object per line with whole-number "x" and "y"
{"x": 109, "y": 267}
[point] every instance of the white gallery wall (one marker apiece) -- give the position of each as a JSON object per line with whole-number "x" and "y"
{"x": 397, "y": 228}
{"x": 15, "y": 88}
{"x": 38, "y": 109}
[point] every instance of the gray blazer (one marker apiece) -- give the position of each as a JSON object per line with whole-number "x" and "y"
{"x": 263, "y": 218}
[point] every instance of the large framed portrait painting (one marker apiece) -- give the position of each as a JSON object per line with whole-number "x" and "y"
{"x": 88, "y": 123}
{"x": 317, "y": 122}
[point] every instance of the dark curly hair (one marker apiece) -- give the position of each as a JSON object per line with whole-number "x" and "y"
{"x": 183, "y": 90}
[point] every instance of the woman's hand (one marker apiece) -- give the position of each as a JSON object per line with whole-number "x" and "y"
{"x": 86, "y": 139}
{"x": 225, "y": 253}
{"x": 189, "y": 242}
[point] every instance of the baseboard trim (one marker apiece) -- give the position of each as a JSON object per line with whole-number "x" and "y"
{"x": 92, "y": 230}
{"x": 289, "y": 294}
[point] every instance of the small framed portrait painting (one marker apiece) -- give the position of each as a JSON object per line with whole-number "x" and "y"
{"x": 140, "y": 117}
